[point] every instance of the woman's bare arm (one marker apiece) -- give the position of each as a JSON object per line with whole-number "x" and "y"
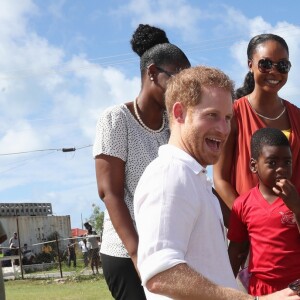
{"x": 110, "y": 174}
{"x": 222, "y": 169}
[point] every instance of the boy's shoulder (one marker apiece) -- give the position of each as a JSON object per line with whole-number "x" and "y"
{"x": 245, "y": 199}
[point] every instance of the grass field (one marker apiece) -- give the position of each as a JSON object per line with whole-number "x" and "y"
{"x": 78, "y": 288}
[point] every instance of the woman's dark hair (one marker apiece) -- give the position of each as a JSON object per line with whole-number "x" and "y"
{"x": 153, "y": 47}
{"x": 249, "y": 83}
{"x": 267, "y": 136}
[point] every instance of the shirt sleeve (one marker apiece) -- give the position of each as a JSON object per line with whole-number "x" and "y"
{"x": 111, "y": 134}
{"x": 163, "y": 241}
{"x": 237, "y": 231}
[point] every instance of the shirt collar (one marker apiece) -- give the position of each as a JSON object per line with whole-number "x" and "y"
{"x": 168, "y": 151}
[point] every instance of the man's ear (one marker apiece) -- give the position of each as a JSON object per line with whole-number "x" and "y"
{"x": 253, "y": 165}
{"x": 179, "y": 112}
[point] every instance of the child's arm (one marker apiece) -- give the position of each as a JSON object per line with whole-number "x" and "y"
{"x": 288, "y": 192}
{"x": 236, "y": 252}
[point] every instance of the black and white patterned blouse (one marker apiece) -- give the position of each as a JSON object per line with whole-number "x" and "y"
{"x": 120, "y": 135}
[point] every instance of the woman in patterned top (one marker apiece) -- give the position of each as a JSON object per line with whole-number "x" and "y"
{"x": 127, "y": 140}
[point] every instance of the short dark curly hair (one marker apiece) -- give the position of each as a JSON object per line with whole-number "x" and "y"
{"x": 153, "y": 47}
{"x": 146, "y": 37}
{"x": 267, "y": 137}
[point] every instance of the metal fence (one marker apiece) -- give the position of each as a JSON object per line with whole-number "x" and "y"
{"x": 55, "y": 257}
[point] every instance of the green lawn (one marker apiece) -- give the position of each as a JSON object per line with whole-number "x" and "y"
{"x": 88, "y": 288}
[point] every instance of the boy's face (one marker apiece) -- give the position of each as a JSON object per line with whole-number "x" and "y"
{"x": 274, "y": 163}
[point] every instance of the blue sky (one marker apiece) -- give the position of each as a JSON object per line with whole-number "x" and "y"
{"x": 63, "y": 62}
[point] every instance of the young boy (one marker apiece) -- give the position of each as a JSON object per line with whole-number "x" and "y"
{"x": 268, "y": 216}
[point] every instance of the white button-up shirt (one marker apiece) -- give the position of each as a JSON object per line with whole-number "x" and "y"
{"x": 179, "y": 220}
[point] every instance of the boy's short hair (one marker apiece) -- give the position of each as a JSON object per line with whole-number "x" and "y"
{"x": 267, "y": 137}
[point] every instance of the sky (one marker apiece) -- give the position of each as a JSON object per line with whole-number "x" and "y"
{"x": 63, "y": 62}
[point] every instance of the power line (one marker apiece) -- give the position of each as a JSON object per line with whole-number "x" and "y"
{"x": 72, "y": 149}
{"x": 113, "y": 60}
{"x": 24, "y": 162}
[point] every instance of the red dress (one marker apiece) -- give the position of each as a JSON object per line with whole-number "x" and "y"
{"x": 247, "y": 123}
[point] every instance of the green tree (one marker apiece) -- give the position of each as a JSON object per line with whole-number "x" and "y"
{"x": 96, "y": 218}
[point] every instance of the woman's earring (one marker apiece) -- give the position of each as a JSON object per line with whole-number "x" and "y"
{"x": 151, "y": 78}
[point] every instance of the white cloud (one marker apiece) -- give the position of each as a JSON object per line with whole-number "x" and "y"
{"x": 47, "y": 102}
{"x": 21, "y": 137}
{"x": 99, "y": 88}
{"x": 258, "y": 25}
{"x": 13, "y": 21}
{"x": 39, "y": 83}
{"x": 120, "y": 85}
{"x": 175, "y": 14}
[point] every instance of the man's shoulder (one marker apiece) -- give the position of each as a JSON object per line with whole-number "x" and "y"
{"x": 163, "y": 177}
{"x": 164, "y": 167}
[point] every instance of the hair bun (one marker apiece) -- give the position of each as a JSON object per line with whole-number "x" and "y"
{"x": 145, "y": 37}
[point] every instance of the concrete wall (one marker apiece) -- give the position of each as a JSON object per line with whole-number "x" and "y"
{"x": 36, "y": 229}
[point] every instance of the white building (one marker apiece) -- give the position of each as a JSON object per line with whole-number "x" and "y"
{"x": 34, "y": 222}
